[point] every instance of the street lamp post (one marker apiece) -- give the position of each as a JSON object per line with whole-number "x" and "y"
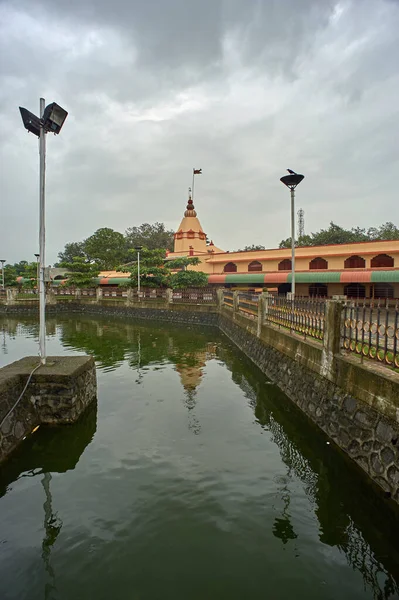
{"x": 291, "y": 181}
{"x": 37, "y": 270}
{"x": 138, "y": 249}
{"x": 2, "y": 260}
{"x": 52, "y": 118}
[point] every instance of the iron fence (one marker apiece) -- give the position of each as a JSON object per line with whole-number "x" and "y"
{"x": 158, "y": 294}
{"x": 91, "y": 292}
{"x": 304, "y": 315}
{"x": 248, "y": 304}
{"x": 59, "y": 291}
{"x": 228, "y": 299}
{"x": 118, "y": 293}
{"x": 372, "y": 330}
{"x": 194, "y": 296}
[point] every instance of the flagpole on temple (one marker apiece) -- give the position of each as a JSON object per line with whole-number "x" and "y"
{"x": 195, "y": 172}
{"x": 192, "y": 187}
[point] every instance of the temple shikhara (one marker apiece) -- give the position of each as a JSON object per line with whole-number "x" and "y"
{"x": 361, "y": 269}
{"x": 358, "y": 270}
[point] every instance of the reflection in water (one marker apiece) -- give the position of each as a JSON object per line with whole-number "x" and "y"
{"x": 344, "y": 518}
{"x": 52, "y": 528}
{"x": 350, "y": 516}
{"x": 50, "y": 449}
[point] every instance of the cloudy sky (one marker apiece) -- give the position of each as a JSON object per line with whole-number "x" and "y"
{"x": 240, "y": 88}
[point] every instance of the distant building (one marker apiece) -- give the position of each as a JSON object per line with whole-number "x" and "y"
{"x": 361, "y": 269}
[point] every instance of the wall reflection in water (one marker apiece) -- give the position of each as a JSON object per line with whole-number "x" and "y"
{"x": 351, "y": 515}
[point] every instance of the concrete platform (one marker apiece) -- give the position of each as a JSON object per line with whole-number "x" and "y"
{"x": 58, "y": 393}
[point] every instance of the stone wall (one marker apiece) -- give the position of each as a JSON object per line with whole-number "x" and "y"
{"x": 356, "y": 404}
{"x": 192, "y": 314}
{"x": 369, "y": 436}
{"x": 58, "y": 393}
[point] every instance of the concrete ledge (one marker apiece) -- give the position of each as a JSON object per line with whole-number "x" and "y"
{"x": 58, "y": 393}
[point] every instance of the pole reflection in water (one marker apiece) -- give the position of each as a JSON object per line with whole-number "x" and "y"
{"x": 52, "y": 528}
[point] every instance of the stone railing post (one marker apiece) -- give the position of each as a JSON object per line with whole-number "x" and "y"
{"x": 219, "y": 298}
{"x": 235, "y": 303}
{"x": 99, "y": 294}
{"x": 332, "y": 337}
{"x": 11, "y": 297}
{"x": 169, "y": 296}
{"x": 261, "y": 312}
{"x": 78, "y": 293}
{"x": 50, "y": 297}
{"x": 129, "y": 297}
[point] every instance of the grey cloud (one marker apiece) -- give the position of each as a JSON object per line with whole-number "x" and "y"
{"x": 241, "y": 89}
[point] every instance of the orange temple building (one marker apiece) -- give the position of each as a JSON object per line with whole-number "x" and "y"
{"x": 361, "y": 269}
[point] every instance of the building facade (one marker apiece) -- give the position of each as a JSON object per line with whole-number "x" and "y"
{"x": 361, "y": 269}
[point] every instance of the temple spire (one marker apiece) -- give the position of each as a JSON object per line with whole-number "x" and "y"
{"x": 190, "y": 212}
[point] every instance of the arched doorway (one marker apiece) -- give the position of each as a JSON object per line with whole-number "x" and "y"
{"x": 382, "y": 260}
{"x": 382, "y": 290}
{"x": 318, "y": 263}
{"x": 255, "y": 265}
{"x": 285, "y": 265}
{"x": 284, "y": 288}
{"x": 230, "y": 268}
{"x": 355, "y": 290}
{"x": 318, "y": 289}
{"x": 355, "y": 262}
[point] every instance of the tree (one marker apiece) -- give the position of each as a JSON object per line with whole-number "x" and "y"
{"x": 150, "y": 236}
{"x": 387, "y": 231}
{"x": 106, "y": 247}
{"x": 186, "y": 279}
{"x": 156, "y": 272}
{"x": 81, "y": 273}
{"x": 153, "y": 272}
{"x": 71, "y": 251}
{"x": 252, "y": 247}
{"x": 338, "y": 235}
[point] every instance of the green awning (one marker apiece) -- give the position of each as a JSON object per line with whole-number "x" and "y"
{"x": 385, "y": 276}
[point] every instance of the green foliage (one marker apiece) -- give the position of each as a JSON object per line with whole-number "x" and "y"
{"x": 150, "y": 236}
{"x": 20, "y": 269}
{"x": 338, "y": 235}
{"x": 71, "y": 250}
{"x": 106, "y": 247}
{"x": 152, "y": 269}
{"x": 182, "y": 262}
{"x": 156, "y": 272}
{"x": 252, "y": 247}
{"x": 187, "y": 279}
{"x": 81, "y": 273}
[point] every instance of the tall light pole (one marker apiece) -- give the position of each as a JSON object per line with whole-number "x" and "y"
{"x": 37, "y": 269}
{"x": 52, "y": 118}
{"x": 138, "y": 249}
{"x": 291, "y": 181}
{"x": 2, "y": 260}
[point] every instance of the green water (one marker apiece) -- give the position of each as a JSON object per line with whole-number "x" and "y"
{"x": 192, "y": 477}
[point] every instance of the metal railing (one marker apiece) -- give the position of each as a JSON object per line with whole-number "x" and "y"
{"x": 194, "y": 296}
{"x": 158, "y": 294}
{"x": 61, "y": 291}
{"x": 228, "y": 299}
{"x": 118, "y": 293}
{"x": 91, "y": 292}
{"x": 372, "y": 330}
{"x": 303, "y": 315}
{"x": 248, "y": 304}
{"x": 28, "y": 294}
